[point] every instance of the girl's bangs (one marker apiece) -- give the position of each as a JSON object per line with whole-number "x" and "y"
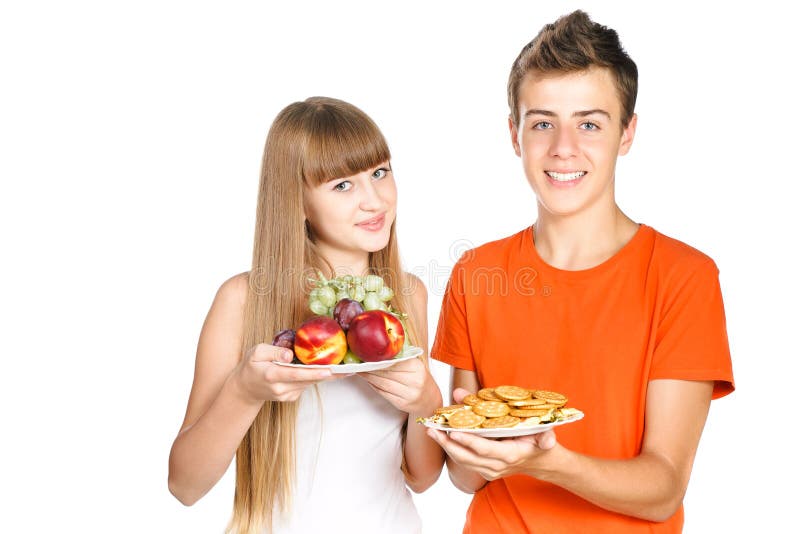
{"x": 340, "y": 146}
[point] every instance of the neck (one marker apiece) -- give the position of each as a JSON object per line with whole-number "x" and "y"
{"x": 583, "y": 240}
{"x": 353, "y": 262}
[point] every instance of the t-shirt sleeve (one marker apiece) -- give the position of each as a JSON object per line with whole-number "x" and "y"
{"x": 452, "y": 344}
{"x": 691, "y": 336}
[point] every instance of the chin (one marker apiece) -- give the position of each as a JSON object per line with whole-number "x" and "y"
{"x": 375, "y": 245}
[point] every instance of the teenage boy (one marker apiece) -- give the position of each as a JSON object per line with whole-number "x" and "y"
{"x": 627, "y": 322}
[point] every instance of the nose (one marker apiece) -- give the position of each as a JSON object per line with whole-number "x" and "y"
{"x": 564, "y": 144}
{"x": 370, "y": 197}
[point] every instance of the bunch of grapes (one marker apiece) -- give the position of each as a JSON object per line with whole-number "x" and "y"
{"x": 370, "y": 291}
{"x": 343, "y": 299}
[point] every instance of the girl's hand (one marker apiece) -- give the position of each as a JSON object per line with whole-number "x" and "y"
{"x": 408, "y": 386}
{"x": 258, "y": 379}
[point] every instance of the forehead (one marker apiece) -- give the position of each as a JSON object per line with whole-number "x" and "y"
{"x": 566, "y": 93}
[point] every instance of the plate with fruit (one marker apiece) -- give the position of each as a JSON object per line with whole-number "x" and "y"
{"x": 355, "y": 328}
{"x": 361, "y": 366}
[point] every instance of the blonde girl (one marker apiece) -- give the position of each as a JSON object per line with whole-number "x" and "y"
{"x": 314, "y": 451}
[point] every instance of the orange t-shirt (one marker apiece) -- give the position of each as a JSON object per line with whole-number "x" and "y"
{"x": 653, "y": 310}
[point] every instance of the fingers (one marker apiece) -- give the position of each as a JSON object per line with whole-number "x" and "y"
{"x": 384, "y": 384}
{"x": 398, "y": 401}
{"x": 295, "y": 375}
{"x": 466, "y": 456}
{"x": 269, "y": 353}
{"x": 459, "y": 394}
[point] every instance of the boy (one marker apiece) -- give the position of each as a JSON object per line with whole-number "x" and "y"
{"x": 626, "y": 322}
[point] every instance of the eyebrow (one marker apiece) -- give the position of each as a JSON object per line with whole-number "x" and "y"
{"x": 585, "y": 113}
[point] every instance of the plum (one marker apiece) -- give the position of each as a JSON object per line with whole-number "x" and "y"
{"x": 344, "y": 312}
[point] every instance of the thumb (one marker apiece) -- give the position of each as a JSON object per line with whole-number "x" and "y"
{"x": 459, "y": 394}
{"x": 269, "y": 353}
{"x": 546, "y": 440}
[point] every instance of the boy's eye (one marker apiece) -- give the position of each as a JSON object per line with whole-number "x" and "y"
{"x": 589, "y": 126}
{"x": 343, "y": 186}
{"x": 542, "y": 125}
{"x": 380, "y": 173}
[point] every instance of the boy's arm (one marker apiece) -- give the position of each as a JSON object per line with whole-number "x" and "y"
{"x": 649, "y": 486}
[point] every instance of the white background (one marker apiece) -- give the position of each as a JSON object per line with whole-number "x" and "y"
{"x": 130, "y": 142}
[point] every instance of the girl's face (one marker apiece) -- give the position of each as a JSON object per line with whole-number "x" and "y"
{"x": 353, "y": 214}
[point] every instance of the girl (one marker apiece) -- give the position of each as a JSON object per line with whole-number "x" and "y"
{"x": 338, "y": 455}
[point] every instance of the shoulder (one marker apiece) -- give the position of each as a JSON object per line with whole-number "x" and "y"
{"x": 415, "y": 289}
{"x": 495, "y": 253}
{"x": 676, "y": 257}
{"x": 681, "y": 269}
{"x": 233, "y": 291}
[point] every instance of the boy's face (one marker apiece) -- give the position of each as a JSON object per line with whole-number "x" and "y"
{"x": 569, "y": 137}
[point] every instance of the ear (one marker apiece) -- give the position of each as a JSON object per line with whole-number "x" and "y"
{"x": 627, "y": 136}
{"x": 512, "y": 128}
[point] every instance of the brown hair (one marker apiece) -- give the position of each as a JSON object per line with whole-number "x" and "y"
{"x": 309, "y": 143}
{"x": 574, "y": 43}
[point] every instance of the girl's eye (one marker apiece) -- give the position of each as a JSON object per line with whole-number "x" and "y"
{"x": 380, "y": 173}
{"x": 589, "y": 126}
{"x": 542, "y": 125}
{"x": 343, "y": 186}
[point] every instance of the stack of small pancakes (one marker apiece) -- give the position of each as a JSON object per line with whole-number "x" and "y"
{"x": 505, "y": 407}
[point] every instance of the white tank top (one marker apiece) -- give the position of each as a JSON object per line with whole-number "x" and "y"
{"x": 348, "y": 476}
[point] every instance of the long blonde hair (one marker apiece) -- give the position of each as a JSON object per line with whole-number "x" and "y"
{"x": 309, "y": 143}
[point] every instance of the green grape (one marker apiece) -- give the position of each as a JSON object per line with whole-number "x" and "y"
{"x": 351, "y": 358}
{"x": 385, "y": 293}
{"x": 357, "y": 293}
{"x": 314, "y": 294}
{"x": 373, "y": 282}
{"x": 347, "y": 279}
{"x": 372, "y": 302}
{"x": 327, "y": 296}
{"x": 342, "y": 294}
{"x": 318, "y": 307}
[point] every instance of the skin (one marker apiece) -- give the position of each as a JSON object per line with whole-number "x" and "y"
{"x": 228, "y": 392}
{"x": 571, "y": 122}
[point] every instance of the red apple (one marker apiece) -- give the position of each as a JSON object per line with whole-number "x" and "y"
{"x": 320, "y": 341}
{"x": 375, "y": 335}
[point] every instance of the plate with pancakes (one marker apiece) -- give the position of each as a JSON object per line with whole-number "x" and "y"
{"x": 504, "y": 412}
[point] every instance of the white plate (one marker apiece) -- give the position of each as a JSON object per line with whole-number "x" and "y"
{"x": 349, "y": 368}
{"x": 512, "y": 432}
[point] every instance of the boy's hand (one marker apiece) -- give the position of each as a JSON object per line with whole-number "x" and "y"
{"x": 493, "y": 459}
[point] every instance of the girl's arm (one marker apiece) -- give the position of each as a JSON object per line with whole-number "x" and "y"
{"x": 410, "y": 387}
{"x": 227, "y": 394}
{"x": 424, "y": 458}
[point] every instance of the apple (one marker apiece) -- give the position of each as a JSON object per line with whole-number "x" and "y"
{"x": 320, "y": 341}
{"x": 375, "y": 336}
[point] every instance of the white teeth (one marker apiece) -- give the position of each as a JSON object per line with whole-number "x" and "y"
{"x": 561, "y": 177}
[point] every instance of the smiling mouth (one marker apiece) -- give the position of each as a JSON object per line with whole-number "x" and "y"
{"x": 374, "y": 223}
{"x": 565, "y": 176}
